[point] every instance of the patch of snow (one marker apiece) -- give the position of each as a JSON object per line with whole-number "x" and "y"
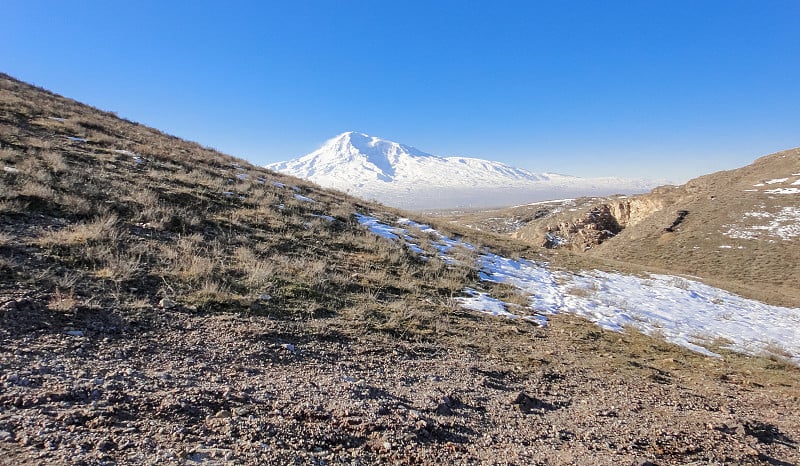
{"x": 682, "y": 311}
{"x": 278, "y": 184}
{"x": 482, "y": 302}
{"x": 58, "y": 119}
{"x": 241, "y": 176}
{"x": 8, "y": 169}
{"x": 783, "y": 191}
{"x": 776, "y": 180}
{"x": 76, "y": 139}
{"x": 302, "y": 198}
{"x": 555, "y": 240}
{"x": 783, "y": 225}
{"x": 376, "y": 226}
{"x": 796, "y": 183}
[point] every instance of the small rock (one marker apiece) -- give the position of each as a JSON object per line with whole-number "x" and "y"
{"x": 167, "y": 303}
{"x": 75, "y": 333}
{"x": 106, "y": 445}
{"x": 223, "y": 414}
{"x": 6, "y": 436}
{"x": 444, "y": 410}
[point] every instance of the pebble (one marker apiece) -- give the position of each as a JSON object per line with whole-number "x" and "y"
{"x": 167, "y": 303}
{"x": 75, "y": 333}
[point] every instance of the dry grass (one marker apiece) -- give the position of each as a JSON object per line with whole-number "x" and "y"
{"x": 102, "y": 230}
{"x": 63, "y": 302}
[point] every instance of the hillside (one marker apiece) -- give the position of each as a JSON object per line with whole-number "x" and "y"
{"x": 739, "y": 226}
{"x": 405, "y": 177}
{"x": 163, "y": 303}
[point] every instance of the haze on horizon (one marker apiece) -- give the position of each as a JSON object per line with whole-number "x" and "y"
{"x": 650, "y": 89}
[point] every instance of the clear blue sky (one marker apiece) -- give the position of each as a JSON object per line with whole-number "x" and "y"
{"x": 655, "y": 88}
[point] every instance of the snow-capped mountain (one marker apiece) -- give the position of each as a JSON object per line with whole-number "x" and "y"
{"x": 403, "y": 176}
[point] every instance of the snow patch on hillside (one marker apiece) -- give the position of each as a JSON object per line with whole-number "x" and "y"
{"x": 685, "y": 312}
{"x": 783, "y": 225}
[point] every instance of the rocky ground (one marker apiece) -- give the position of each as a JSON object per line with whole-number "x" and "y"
{"x": 181, "y": 387}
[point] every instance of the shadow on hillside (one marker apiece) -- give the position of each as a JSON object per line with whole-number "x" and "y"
{"x": 26, "y": 316}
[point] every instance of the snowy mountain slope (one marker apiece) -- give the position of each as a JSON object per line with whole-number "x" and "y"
{"x": 403, "y": 176}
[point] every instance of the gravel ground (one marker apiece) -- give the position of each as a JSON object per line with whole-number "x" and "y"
{"x": 177, "y": 387}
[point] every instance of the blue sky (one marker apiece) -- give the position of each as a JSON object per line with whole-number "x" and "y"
{"x": 653, "y": 88}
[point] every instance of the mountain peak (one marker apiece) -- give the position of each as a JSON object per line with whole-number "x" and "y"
{"x": 404, "y": 176}
{"x": 373, "y": 148}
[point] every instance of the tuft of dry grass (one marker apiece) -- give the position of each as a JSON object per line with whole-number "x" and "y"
{"x": 102, "y": 230}
{"x": 63, "y": 302}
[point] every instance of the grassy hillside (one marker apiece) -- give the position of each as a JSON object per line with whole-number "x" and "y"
{"x": 738, "y": 229}
{"x": 162, "y": 303}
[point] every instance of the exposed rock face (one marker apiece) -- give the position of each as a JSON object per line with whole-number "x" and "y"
{"x": 594, "y": 227}
{"x": 584, "y": 229}
{"x": 631, "y": 211}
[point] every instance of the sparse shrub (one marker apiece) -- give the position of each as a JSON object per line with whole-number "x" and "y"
{"x": 63, "y": 302}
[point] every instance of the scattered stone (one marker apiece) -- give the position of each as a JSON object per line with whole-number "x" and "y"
{"x": 288, "y": 347}
{"x": 75, "y": 333}
{"x": 167, "y": 303}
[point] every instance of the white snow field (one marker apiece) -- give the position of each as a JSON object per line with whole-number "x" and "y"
{"x": 681, "y": 311}
{"x": 405, "y": 177}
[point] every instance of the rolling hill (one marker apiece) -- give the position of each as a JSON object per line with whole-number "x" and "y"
{"x": 739, "y": 226}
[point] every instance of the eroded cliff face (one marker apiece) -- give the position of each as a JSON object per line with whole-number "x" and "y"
{"x": 586, "y": 228}
{"x": 631, "y": 211}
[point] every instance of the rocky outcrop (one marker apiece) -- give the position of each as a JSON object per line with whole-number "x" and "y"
{"x": 587, "y": 228}
{"x": 631, "y": 211}
{"x": 593, "y": 227}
